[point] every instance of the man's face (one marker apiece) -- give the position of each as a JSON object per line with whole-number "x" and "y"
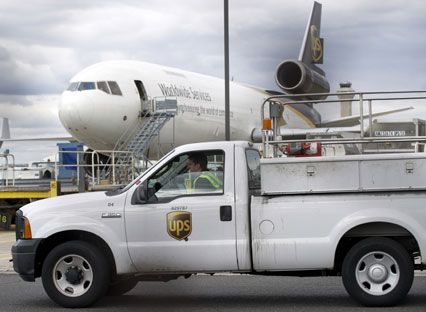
{"x": 193, "y": 167}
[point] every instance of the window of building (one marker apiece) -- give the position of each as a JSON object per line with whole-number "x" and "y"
{"x": 115, "y": 89}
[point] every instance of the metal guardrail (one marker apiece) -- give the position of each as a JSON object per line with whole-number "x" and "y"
{"x": 98, "y": 173}
{"x": 4, "y": 169}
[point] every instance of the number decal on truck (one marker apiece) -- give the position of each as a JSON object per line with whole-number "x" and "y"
{"x": 179, "y": 224}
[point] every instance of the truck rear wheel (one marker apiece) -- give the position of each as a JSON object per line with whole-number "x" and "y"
{"x": 378, "y": 272}
{"x": 76, "y": 274}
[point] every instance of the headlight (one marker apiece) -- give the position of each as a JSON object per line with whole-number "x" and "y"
{"x": 23, "y": 227}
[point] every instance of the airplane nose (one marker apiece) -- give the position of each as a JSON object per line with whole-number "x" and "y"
{"x": 75, "y": 111}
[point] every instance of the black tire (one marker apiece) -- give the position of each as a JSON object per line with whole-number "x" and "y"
{"x": 121, "y": 287}
{"x": 76, "y": 274}
{"x": 378, "y": 272}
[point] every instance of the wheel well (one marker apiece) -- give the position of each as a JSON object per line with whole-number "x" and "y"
{"x": 58, "y": 238}
{"x": 47, "y": 174}
{"x": 375, "y": 229}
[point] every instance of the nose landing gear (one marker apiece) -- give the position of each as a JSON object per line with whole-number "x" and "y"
{"x": 96, "y": 164}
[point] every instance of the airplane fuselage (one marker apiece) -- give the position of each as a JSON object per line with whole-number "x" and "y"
{"x": 96, "y": 113}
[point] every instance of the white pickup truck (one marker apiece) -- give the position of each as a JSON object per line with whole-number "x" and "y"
{"x": 359, "y": 216}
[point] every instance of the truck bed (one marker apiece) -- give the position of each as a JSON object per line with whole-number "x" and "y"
{"x": 351, "y": 173}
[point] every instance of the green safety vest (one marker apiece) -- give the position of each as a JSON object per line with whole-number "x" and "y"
{"x": 209, "y": 176}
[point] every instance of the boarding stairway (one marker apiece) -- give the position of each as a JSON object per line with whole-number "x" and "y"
{"x": 136, "y": 140}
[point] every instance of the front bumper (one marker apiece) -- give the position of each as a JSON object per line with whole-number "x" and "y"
{"x": 24, "y": 256}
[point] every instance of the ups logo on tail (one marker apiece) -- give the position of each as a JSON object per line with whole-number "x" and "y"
{"x": 316, "y": 45}
{"x": 179, "y": 224}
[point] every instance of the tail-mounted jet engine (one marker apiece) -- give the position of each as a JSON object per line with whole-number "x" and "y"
{"x": 295, "y": 77}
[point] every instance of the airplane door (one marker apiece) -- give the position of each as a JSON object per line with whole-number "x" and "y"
{"x": 186, "y": 224}
{"x": 142, "y": 93}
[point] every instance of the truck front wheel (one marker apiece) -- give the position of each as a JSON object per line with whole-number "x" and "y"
{"x": 76, "y": 274}
{"x": 378, "y": 272}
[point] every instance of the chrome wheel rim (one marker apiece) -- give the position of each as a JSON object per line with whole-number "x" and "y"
{"x": 72, "y": 275}
{"x": 377, "y": 273}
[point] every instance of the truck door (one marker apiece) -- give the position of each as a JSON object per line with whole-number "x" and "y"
{"x": 181, "y": 220}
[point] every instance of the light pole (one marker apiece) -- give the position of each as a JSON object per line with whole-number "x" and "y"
{"x": 226, "y": 35}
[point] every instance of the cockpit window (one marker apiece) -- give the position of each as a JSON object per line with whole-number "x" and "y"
{"x": 115, "y": 89}
{"x": 110, "y": 87}
{"x": 73, "y": 86}
{"x": 102, "y": 85}
{"x": 86, "y": 86}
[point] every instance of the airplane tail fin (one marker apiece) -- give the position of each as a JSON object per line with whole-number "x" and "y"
{"x": 312, "y": 50}
{"x": 4, "y": 129}
{"x": 302, "y": 76}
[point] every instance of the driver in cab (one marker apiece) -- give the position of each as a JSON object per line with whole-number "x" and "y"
{"x": 202, "y": 179}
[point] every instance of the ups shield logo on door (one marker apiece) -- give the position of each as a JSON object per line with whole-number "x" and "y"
{"x": 179, "y": 224}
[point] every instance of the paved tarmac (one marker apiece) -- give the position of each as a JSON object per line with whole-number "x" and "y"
{"x": 214, "y": 293}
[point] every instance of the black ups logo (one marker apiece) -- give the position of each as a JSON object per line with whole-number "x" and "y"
{"x": 179, "y": 224}
{"x": 316, "y": 45}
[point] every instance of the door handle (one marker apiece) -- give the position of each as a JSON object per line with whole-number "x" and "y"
{"x": 225, "y": 213}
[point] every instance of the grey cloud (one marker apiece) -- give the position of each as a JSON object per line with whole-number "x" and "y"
{"x": 154, "y": 31}
{"x": 187, "y": 33}
{"x": 31, "y": 112}
{"x": 21, "y": 78}
{"x": 13, "y": 100}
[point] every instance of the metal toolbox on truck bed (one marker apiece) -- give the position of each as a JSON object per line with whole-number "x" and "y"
{"x": 351, "y": 173}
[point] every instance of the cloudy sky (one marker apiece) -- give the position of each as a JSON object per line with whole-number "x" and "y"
{"x": 377, "y": 45}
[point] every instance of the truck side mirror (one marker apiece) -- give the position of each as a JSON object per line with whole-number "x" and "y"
{"x": 140, "y": 195}
{"x": 144, "y": 194}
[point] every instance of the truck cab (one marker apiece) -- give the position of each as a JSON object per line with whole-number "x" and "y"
{"x": 176, "y": 224}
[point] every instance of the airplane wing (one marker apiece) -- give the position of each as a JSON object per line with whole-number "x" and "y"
{"x": 351, "y": 121}
{"x": 67, "y": 138}
{"x": 5, "y": 135}
{"x": 295, "y": 134}
{"x": 264, "y": 91}
{"x": 55, "y": 139}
